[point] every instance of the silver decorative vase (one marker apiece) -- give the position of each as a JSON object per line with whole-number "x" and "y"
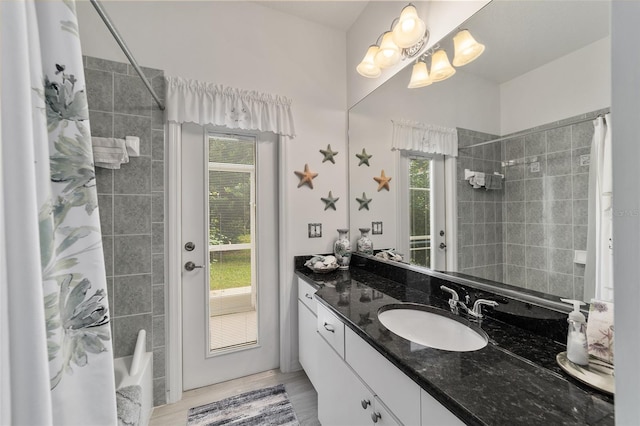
{"x": 365, "y": 245}
{"x": 342, "y": 249}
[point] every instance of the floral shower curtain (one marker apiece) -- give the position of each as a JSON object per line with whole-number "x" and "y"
{"x": 55, "y": 340}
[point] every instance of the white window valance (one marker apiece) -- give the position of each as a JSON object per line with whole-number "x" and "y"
{"x": 427, "y": 138}
{"x": 192, "y": 101}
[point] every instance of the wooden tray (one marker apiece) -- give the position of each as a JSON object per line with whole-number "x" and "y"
{"x": 598, "y": 374}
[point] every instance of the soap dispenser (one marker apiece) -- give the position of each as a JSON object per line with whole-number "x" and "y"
{"x": 577, "y": 349}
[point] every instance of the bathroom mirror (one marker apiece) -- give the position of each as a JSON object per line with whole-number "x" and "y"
{"x": 546, "y": 65}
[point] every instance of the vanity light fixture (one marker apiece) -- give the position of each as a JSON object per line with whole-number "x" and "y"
{"x": 419, "y": 75}
{"x": 466, "y": 48}
{"x": 410, "y": 29}
{"x": 388, "y": 54}
{"x": 441, "y": 68}
{"x": 405, "y": 39}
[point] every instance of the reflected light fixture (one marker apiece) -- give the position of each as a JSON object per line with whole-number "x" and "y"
{"x": 368, "y": 68}
{"x": 410, "y": 29}
{"x": 389, "y": 54}
{"x": 419, "y": 75}
{"x": 441, "y": 68}
{"x": 466, "y": 48}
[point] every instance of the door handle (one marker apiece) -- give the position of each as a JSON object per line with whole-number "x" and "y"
{"x": 442, "y": 246}
{"x": 190, "y": 266}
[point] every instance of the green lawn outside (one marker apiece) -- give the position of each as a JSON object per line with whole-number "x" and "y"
{"x": 230, "y": 269}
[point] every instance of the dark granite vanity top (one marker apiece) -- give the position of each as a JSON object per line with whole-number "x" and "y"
{"x": 513, "y": 380}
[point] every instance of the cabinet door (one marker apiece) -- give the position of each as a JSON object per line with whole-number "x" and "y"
{"x": 434, "y": 413}
{"x": 340, "y": 392}
{"x": 308, "y": 342}
{"x": 381, "y": 416}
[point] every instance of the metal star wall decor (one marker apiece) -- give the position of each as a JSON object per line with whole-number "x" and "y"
{"x": 364, "y": 202}
{"x": 306, "y": 177}
{"x": 329, "y": 154}
{"x": 330, "y": 201}
{"x": 364, "y": 158}
{"x": 383, "y": 181}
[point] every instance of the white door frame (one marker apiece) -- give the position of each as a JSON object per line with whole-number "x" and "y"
{"x": 174, "y": 265}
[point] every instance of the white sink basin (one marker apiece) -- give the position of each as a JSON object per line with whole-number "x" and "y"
{"x": 432, "y": 327}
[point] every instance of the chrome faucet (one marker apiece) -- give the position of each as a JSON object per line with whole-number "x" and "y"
{"x": 453, "y": 302}
{"x": 476, "y": 311}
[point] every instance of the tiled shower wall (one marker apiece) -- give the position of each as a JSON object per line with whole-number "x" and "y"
{"x": 480, "y": 231}
{"x": 131, "y": 202}
{"x": 540, "y": 214}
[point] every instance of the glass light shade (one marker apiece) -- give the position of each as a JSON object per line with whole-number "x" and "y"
{"x": 389, "y": 53}
{"x": 410, "y": 28}
{"x": 368, "y": 68}
{"x": 466, "y": 47}
{"x": 441, "y": 69}
{"x": 419, "y": 76}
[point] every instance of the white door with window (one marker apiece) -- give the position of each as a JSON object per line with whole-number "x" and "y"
{"x": 422, "y": 231}
{"x": 229, "y": 255}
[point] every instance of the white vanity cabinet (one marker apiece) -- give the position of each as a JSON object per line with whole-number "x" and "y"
{"x": 357, "y": 385}
{"x": 308, "y": 338}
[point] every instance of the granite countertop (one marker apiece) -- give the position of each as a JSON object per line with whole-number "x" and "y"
{"x": 513, "y": 380}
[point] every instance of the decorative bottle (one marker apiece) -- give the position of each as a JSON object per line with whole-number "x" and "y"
{"x": 577, "y": 349}
{"x": 365, "y": 245}
{"x": 342, "y": 249}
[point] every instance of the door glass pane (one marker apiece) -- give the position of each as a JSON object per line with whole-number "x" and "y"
{"x": 232, "y": 284}
{"x": 420, "y": 211}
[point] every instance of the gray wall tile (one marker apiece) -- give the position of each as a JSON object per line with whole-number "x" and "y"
{"x": 157, "y": 118}
{"x": 516, "y": 275}
{"x": 158, "y": 335}
{"x": 561, "y": 261}
{"x": 101, "y": 124}
{"x": 581, "y": 135}
{"x": 561, "y": 284}
{"x": 157, "y": 207}
{"x": 158, "y": 238}
{"x": 558, "y": 139}
{"x": 515, "y": 254}
{"x": 580, "y": 237}
{"x": 104, "y": 181}
{"x": 514, "y": 172}
{"x": 125, "y": 333}
{"x": 558, "y": 187}
{"x": 132, "y": 295}
{"x": 478, "y": 235}
{"x": 536, "y": 257}
{"x": 110, "y": 295}
{"x": 529, "y": 170}
{"x": 538, "y": 280}
{"x": 105, "y": 207}
{"x": 558, "y": 163}
{"x": 132, "y": 214}
{"x": 578, "y": 288}
{"x": 560, "y": 236}
{"x": 129, "y": 125}
{"x": 515, "y": 233}
{"x": 534, "y": 211}
{"x": 581, "y": 186}
{"x": 158, "y": 176}
{"x": 535, "y": 144}
{"x": 580, "y": 212}
{"x": 99, "y": 90}
{"x": 534, "y": 189}
{"x": 131, "y": 96}
{"x": 515, "y": 212}
{"x": 159, "y": 365}
{"x": 157, "y": 145}
{"x": 106, "y": 65}
{"x": 158, "y": 300}
{"x": 514, "y": 190}
{"x": 465, "y": 211}
{"x": 107, "y": 249}
{"x": 132, "y": 254}
{"x": 466, "y": 234}
{"x": 134, "y": 178}
{"x": 479, "y": 256}
{"x": 158, "y": 268}
{"x": 535, "y": 235}
{"x": 478, "y": 212}
{"x": 558, "y": 212}
{"x": 159, "y": 391}
{"x": 576, "y": 154}
{"x": 514, "y": 148}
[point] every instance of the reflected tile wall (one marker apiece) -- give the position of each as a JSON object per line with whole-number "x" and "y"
{"x": 131, "y": 202}
{"x": 547, "y": 177}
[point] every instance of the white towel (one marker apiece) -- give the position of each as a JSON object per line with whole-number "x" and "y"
{"x": 109, "y": 153}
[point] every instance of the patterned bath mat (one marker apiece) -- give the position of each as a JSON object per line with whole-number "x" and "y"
{"x": 268, "y": 406}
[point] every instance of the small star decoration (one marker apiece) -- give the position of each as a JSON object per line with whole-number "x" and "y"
{"x": 364, "y": 158}
{"x": 383, "y": 181}
{"x": 306, "y": 177}
{"x": 330, "y": 201}
{"x": 328, "y": 154}
{"x": 364, "y": 202}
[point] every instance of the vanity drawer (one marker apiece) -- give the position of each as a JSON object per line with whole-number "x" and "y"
{"x": 305, "y": 294}
{"x": 399, "y": 392}
{"x": 331, "y": 329}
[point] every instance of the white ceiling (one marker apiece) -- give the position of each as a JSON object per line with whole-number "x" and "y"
{"x": 330, "y": 13}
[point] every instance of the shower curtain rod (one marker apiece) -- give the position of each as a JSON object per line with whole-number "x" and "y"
{"x": 107, "y": 21}
{"x": 517, "y": 135}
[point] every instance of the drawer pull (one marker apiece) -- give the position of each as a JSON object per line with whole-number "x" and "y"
{"x": 365, "y": 403}
{"x": 375, "y": 416}
{"x": 307, "y": 296}
{"x": 329, "y": 327}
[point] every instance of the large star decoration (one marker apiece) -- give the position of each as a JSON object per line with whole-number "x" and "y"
{"x": 306, "y": 177}
{"x": 364, "y": 202}
{"x": 329, "y": 154}
{"x": 383, "y": 181}
{"x": 330, "y": 202}
{"x": 364, "y": 158}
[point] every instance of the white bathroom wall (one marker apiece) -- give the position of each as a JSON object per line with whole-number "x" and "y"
{"x": 441, "y": 18}
{"x": 246, "y": 45}
{"x": 569, "y": 86}
{"x": 249, "y": 46}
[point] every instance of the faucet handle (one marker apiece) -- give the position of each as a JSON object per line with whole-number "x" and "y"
{"x": 454, "y": 294}
{"x": 477, "y": 306}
